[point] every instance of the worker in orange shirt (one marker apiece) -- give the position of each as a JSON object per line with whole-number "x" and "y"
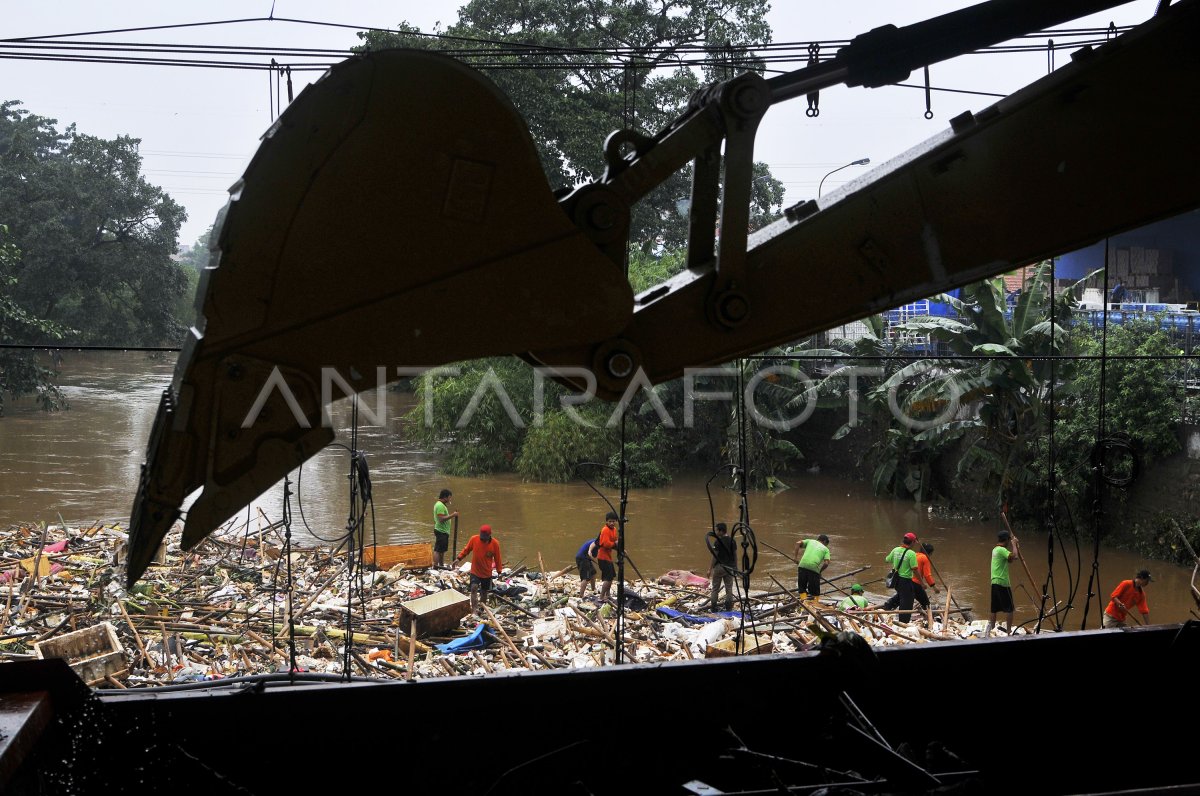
{"x": 485, "y": 557}
{"x": 922, "y": 577}
{"x": 606, "y": 546}
{"x": 1128, "y": 594}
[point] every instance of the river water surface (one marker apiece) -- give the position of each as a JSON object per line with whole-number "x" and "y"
{"x": 83, "y": 464}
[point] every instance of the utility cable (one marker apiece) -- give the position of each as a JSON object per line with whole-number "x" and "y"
{"x": 1097, "y": 492}
{"x": 1048, "y": 583}
{"x": 287, "y": 553}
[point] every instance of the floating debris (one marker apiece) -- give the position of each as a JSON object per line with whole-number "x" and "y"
{"x": 224, "y": 610}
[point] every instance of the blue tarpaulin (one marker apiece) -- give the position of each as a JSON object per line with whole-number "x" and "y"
{"x": 477, "y": 640}
{"x": 694, "y": 619}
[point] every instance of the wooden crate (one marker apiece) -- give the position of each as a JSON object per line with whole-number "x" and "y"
{"x": 434, "y": 613}
{"x": 92, "y": 653}
{"x": 386, "y": 556}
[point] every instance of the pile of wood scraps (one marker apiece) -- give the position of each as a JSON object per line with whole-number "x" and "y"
{"x": 237, "y": 605}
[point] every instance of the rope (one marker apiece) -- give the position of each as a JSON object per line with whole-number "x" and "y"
{"x": 628, "y": 116}
{"x": 287, "y": 552}
{"x": 749, "y": 542}
{"x": 355, "y": 539}
{"x": 623, "y": 482}
{"x": 1048, "y": 584}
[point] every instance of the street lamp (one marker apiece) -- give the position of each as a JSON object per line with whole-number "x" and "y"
{"x": 862, "y": 162}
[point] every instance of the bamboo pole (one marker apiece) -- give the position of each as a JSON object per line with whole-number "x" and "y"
{"x": 820, "y": 619}
{"x": 503, "y": 632}
{"x": 949, "y": 596}
{"x": 887, "y": 612}
{"x": 166, "y": 650}
{"x": 635, "y": 569}
{"x": 858, "y": 616}
{"x": 136, "y": 636}
{"x": 412, "y": 649}
{"x": 317, "y": 593}
{"x": 12, "y": 584}
{"x": 1020, "y": 555}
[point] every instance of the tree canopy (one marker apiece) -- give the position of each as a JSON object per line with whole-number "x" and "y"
{"x": 21, "y": 372}
{"x": 578, "y": 69}
{"x": 94, "y": 238}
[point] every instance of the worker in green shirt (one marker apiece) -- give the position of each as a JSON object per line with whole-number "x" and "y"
{"x": 855, "y": 601}
{"x": 812, "y": 557}
{"x": 904, "y": 560}
{"x": 442, "y": 517}
{"x": 1002, "y": 596}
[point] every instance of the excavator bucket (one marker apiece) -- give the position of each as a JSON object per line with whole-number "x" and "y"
{"x": 395, "y": 212}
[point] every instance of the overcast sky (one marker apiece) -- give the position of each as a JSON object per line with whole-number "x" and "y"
{"x": 199, "y": 127}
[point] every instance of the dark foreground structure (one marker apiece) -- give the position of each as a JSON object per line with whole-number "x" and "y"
{"x": 1079, "y": 712}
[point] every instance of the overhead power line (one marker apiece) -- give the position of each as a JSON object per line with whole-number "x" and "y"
{"x": 482, "y": 52}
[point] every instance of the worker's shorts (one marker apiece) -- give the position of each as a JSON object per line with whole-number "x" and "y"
{"x": 808, "y": 581}
{"x": 484, "y": 585}
{"x": 441, "y": 542}
{"x": 1111, "y": 621}
{"x": 587, "y": 570}
{"x": 1002, "y": 601}
{"x": 608, "y": 572}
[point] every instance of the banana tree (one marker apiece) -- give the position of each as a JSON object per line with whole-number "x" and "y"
{"x": 855, "y": 380}
{"x": 1003, "y": 388}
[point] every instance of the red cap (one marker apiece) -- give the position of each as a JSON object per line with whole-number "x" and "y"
{"x": 485, "y": 529}
{"x": 910, "y": 537}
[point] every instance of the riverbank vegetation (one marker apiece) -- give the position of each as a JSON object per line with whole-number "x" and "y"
{"x": 974, "y": 408}
{"x": 87, "y": 249}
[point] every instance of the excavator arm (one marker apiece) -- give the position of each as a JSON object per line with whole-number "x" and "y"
{"x": 395, "y": 218}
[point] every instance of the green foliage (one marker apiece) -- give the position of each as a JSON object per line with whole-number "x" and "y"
{"x": 1008, "y": 393}
{"x": 95, "y": 238}
{"x": 1162, "y": 537}
{"x": 573, "y": 97}
{"x": 21, "y": 372}
{"x": 476, "y": 418}
{"x": 643, "y": 467}
{"x": 192, "y": 262}
{"x": 550, "y": 452}
{"x": 647, "y": 271}
{"x": 1139, "y": 397}
{"x": 900, "y": 459}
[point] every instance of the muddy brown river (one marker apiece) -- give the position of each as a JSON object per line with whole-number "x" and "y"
{"x": 82, "y": 464}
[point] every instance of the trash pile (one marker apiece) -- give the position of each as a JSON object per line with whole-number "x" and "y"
{"x": 224, "y": 609}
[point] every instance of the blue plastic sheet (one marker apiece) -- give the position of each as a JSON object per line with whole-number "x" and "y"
{"x": 691, "y": 619}
{"x": 476, "y": 640}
